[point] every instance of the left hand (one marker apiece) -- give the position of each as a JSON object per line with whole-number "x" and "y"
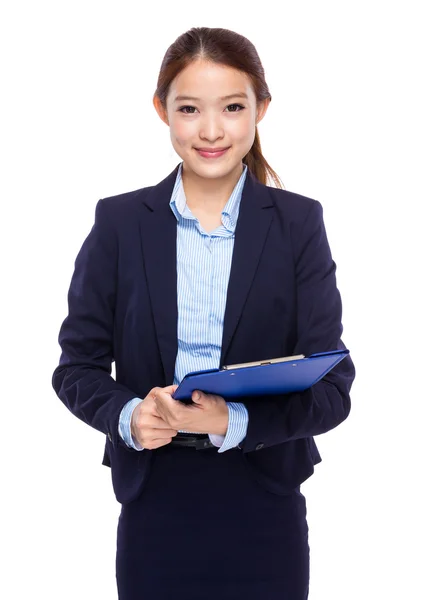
{"x": 207, "y": 414}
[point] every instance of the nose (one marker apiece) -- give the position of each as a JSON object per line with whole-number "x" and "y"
{"x": 211, "y": 128}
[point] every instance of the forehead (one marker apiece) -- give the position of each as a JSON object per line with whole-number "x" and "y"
{"x": 203, "y": 80}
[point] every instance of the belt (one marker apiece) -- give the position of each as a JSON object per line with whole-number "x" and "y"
{"x": 200, "y": 441}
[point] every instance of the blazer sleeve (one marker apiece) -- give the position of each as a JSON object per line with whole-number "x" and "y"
{"x": 277, "y": 419}
{"x": 83, "y": 380}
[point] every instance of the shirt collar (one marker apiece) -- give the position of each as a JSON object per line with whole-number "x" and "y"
{"x": 229, "y": 213}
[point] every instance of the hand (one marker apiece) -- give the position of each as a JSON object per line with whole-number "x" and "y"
{"x": 208, "y": 413}
{"x": 147, "y": 426}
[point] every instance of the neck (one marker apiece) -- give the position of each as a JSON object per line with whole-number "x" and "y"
{"x": 209, "y": 195}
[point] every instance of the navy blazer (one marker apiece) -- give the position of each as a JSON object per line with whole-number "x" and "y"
{"x": 282, "y": 300}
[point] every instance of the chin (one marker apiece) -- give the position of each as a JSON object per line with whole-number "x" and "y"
{"x": 214, "y": 171}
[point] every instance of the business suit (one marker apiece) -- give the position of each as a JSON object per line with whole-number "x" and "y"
{"x": 282, "y": 299}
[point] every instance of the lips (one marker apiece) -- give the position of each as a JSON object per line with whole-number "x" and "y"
{"x": 211, "y": 152}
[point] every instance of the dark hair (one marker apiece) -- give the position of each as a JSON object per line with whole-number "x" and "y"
{"x": 228, "y": 48}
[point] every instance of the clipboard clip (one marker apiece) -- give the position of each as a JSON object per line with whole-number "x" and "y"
{"x": 261, "y": 363}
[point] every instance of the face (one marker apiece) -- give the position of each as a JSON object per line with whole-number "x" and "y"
{"x": 211, "y": 106}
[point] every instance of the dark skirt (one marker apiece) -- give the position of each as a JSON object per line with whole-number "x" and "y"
{"x": 204, "y": 529}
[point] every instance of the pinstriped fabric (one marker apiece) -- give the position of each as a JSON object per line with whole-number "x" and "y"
{"x": 203, "y": 270}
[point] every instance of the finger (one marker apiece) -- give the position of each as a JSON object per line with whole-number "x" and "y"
{"x": 170, "y": 389}
{"x": 164, "y": 434}
{"x": 165, "y": 394}
{"x": 160, "y": 434}
{"x": 163, "y": 403}
{"x": 156, "y": 444}
{"x": 159, "y": 423}
{"x": 152, "y": 394}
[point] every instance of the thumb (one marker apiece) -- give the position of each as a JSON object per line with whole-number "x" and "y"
{"x": 198, "y": 397}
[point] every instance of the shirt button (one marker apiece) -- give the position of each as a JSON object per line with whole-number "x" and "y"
{"x": 259, "y": 446}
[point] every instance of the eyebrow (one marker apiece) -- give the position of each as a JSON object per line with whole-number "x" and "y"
{"x": 237, "y": 95}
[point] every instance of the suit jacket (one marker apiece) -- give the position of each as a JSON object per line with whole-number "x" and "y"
{"x": 282, "y": 300}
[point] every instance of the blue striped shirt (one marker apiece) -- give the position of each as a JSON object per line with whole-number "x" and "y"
{"x": 203, "y": 270}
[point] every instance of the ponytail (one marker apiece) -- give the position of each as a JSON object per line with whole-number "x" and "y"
{"x": 257, "y": 164}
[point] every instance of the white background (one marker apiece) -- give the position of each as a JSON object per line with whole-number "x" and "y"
{"x": 344, "y": 127}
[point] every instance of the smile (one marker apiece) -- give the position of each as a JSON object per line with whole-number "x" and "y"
{"x": 206, "y": 154}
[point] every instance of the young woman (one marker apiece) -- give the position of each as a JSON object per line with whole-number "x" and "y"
{"x": 209, "y": 267}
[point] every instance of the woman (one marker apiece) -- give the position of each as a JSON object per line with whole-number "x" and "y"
{"x": 209, "y": 267}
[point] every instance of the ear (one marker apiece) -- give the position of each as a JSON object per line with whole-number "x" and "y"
{"x": 162, "y": 113}
{"x": 261, "y": 109}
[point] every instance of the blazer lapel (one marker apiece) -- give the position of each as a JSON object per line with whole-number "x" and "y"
{"x": 159, "y": 237}
{"x": 255, "y": 216}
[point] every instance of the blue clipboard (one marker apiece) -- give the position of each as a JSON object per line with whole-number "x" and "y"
{"x": 264, "y": 378}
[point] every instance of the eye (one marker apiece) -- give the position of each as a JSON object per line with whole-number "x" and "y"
{"x": 239, "y": 105}
{"x": 182, "y": 109}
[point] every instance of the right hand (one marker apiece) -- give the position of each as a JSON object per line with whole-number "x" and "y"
{"x": 146, "y": 425}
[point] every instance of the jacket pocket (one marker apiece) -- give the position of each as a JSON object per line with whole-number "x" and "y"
{"x": 282, "y": 468}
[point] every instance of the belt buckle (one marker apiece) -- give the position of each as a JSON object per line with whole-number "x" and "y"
{"x": 192, "y": 442}
{"x": 204, "y": 444}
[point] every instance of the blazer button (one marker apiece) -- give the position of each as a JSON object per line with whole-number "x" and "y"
{"x": 109, "y": 436}
{"x": 259, "y": 446}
